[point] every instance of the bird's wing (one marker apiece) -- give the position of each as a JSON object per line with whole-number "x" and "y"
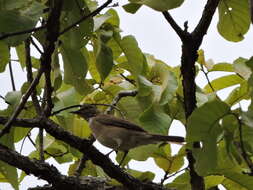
{"x": 117, "y": 122}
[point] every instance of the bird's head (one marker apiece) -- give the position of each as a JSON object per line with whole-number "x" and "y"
{"x": 87, "y": 111}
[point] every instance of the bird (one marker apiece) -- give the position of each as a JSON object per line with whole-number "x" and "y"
{"x": 120, "y": 134}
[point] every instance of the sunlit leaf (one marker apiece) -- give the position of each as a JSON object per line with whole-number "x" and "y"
{"x": 136, "y": 59}
{"x": 4, "y": 56}
{"x": 234, "y": 19}
{"x": 160, "y": 5}
{"x": 223, "y": 82}
{"x": 75, "y": 69}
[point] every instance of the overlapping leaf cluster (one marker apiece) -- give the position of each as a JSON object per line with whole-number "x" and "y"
{"x": 93, "y": 62}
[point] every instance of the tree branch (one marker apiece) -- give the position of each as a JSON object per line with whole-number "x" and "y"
{"x": 205, "y": 20}
{"x": 52, "y": 34}
{"x": 183, "y": 35}
{"x": 42, "y": 170}
{"x": 21, "y": 32}
{"x": 84, "y": 146}
{"x": 21, "y": 105}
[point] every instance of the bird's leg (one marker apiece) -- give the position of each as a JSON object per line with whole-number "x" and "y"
{"x": 123, "y": 158}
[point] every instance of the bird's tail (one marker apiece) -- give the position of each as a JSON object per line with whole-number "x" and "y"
{"x": 171, "y": 139}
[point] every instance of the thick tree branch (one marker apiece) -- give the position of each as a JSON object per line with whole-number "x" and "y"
{"x": 205, "y": 20}
{"x": 84, "y": 146}
{"x": 183, "y": 35}
{"x": 190, "y": 46}
{"x": 52, "y": 34}
{"x": 42, "y": 170}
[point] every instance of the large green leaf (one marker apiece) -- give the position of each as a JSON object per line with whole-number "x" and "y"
{"x": 160, "y": 5}
{"x": 135, "y": 57}
{"x": 104, "y": 60}
{"x": 132, "y": 7}
{"x": 238, "y": 94}
{"x": 75, "y": 69}
{"x": 203, "y": 121}
{"x": 79, "y": 35}
{"x": 166, "y": 161}
{"x": 234, "y": 19}
{"x": 223, "y": 82}
{"x": 167, "y": 81}
{"x": 155, "y": 120}
{"x": 226, "y": 67}
{"x": 14, "y": 21}
{"x": 4, "y": 56}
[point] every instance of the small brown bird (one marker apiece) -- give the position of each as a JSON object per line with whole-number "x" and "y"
{"x": 117, "y": 133}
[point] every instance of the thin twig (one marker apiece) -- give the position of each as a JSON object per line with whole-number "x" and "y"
{"x": 5, "y": 100}
{"x": 21, "y": 32}
{"x": 81, "y": 166}
{"x": 28, "y": 62}
{"x": 244, "y": 153}
{"x": 23, "y": 141}
{"x": 12, "y": 77}
{"x": 36, "y": 46}
{"x": 128, "y": 80}
{"x": 92, "y": 14}
{"x": 166, "y": 176}
{"x": 119, "y": 96}
{"x": 21, "y": 105}
{"x": 207, "y": 78}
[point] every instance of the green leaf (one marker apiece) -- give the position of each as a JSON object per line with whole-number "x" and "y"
{"x": 13, "y": 97}
{"x": 132, "y": 7}
{"x": 104, "y": 60}
{"x": 168, "y": 163}
{"x": 238, "y": 94}
{"x": 160, "y": 5}
{"x": 242, "y": 180}
{"x": 241, "y": 68}
{"x": 75, "y": 69}
{"x": 81, "y": 128}
{"x": 155, "y": 120}
{"x": 131, "y": 109}
{"x": 133, "y": 54}
{"x": 114, "y": 19}
{"x": 143, "y": 176}
{"x": 13, "y": 21}
{"x": 142, "y": 153}
{"x": 223, "y": 82}
{"x": 206, "y": 156}
{"x": 20, "y": 49}
{"x": 79, "y": 35}
{"x": 213, "y": 180}
{"x": 204, "y": 121}
{"x": 181, "y": 182}
{"x": 99, "y": 20}
{"x": 168, "y": 82}
{"x": 8, "y": 171}
{"x": 226, "y": 67}
{"x": 4, "y": 56}
{"x": 234, "y": 19}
